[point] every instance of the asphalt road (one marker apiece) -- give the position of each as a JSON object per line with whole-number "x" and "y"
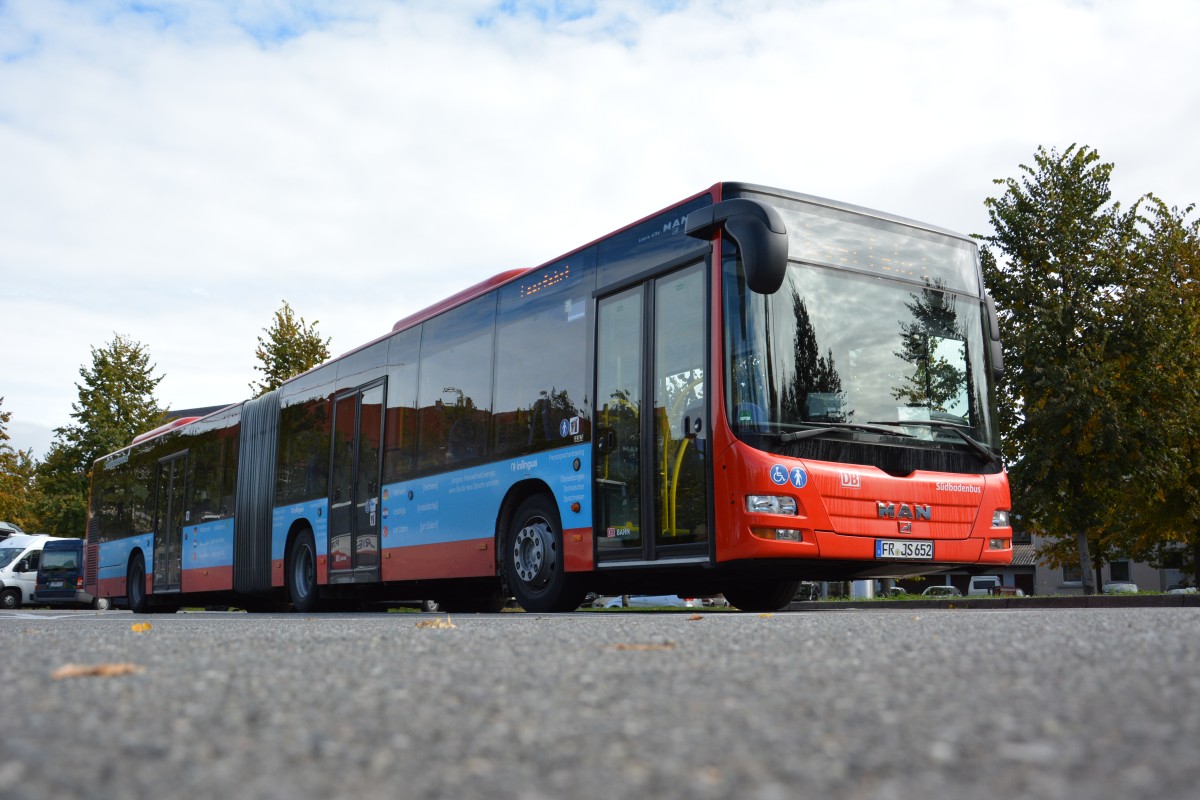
{"x": 892, "y": 704}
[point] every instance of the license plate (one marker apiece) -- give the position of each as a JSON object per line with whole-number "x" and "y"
{"x": 904, "y": 548}
{"x": 56, "y": 584}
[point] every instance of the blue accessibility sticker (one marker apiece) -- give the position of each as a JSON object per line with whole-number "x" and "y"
{"x": 779, "y": 475}
{"x": 798, "y": 477}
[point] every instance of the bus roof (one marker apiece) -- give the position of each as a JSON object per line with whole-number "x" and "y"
{"x": 161, "y": 429}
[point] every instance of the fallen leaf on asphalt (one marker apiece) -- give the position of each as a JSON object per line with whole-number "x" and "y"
{"x": 694, "y": 617}
{"x": 645, "y": 647}
{"x": 436, "y": 623}
{"x": 765, "y": 616}
{"x": 95, "y": 671}
{"x": 140, "y": 627}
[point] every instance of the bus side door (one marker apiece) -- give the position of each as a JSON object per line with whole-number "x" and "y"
{"x": 168, "y": 528}
{"x": 354, "y": 508}
{"x": 651, "y": 420}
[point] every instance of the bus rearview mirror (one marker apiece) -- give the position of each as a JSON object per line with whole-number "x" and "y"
{"x": 759, "y": 233}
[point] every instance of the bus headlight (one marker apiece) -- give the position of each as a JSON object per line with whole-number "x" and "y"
{"x": 1000, "y": 518}
{"x": 770, "y": 504}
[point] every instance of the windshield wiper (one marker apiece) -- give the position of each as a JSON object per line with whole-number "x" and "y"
{"x": 981, "y": 449}
{"x": 822, "y": 428}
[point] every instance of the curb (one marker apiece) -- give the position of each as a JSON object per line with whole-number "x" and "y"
{"x": 1007, "y": 603}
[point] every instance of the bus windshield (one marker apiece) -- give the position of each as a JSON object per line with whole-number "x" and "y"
{"x": 861, "y": 356}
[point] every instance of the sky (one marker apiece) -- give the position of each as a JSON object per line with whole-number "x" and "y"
{"x": 173, "y": 171}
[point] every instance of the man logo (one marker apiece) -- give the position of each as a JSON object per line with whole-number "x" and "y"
{"x": 902, "y": 511}
{"x": 851, "y": 480}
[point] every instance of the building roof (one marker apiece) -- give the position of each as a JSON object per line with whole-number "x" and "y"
{"x": 1024, "y": 555}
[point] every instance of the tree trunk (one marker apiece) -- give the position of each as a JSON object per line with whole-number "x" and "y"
{"x": 1085, "y": 563}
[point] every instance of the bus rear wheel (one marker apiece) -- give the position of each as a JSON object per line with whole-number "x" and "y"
{"x": 302, "y": 573}
{"x": 533, "y": 559}
{"x": 135, "y": 585}
{"x": 761, "y": 596}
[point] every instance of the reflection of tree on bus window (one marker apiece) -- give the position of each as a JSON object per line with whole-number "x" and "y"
{"x": 931, "y": 342}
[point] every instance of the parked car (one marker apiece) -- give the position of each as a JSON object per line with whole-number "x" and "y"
{"x": 20, "y": 555}
{"x": 1120, "y": 587}
{"x": 983, "y": 585}
{"x": 60, "y": 575}
{"x": 942, "y": 591}
{"x": 647, "y": 601}
{"x": 1181, "y": 589}
{"x": 7, "y": 529}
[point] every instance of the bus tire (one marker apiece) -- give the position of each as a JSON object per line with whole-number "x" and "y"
{"x": 302, "y": 573}
{"x": 135, "y": 585}
{"x": 761, "y": 596}
{"x": 10, "y": 599}
{"x": 534, "y": 567}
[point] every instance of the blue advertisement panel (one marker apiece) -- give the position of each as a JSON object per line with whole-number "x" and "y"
{"x": 114, "y": 556}
{"x": 461, "y": 505}
{"x": 208, "y": 545}
{"x": 282, "y": 518}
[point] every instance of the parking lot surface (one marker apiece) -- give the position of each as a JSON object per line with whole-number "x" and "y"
{"x": 903, "y": 704}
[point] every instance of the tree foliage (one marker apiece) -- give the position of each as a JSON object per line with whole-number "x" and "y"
{"x": 16, "y": 479}
{"x": 1096, "y": 332}
{"x": 291, "y": 347}
{"x": 1164, "y": 330}
{"x": 116, "y": 402}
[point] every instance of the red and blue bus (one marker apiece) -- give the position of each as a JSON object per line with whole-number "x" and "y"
{"x": 747, "y": 389}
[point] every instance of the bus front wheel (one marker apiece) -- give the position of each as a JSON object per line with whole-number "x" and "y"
{"x": 302, "y": 573}
{"x": 533, "y": 559}
{"x": 762, "y": 596}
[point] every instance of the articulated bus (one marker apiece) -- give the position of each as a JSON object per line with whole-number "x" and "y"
{"x": 750, "y": 388}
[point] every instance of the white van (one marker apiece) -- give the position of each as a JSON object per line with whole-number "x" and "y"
{"x": 983, "y": 585}
{"x": 20, "y": 555}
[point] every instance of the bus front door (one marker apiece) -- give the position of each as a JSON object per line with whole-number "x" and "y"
{"x": 168, "y": 525}
{"x": 651, "y": 468}
{"x": 354, "y": 510}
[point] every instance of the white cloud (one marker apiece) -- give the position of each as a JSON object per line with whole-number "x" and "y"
{"x": 174, "y": 173}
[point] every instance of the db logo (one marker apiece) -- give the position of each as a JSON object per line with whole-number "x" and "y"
{"x": 851, "y": 480}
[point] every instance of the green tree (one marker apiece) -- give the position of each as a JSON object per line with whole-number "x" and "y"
{"x": 291, "y": 347}
{"x": 16, "y": 479}
{"x": 1163, "y": 328}
{"x": 116, "y": 402}
{"x": 1060, "y": 286}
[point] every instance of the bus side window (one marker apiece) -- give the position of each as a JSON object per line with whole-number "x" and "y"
{"x": 455, "y": 385}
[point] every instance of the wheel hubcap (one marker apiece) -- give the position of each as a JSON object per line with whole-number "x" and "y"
{"x": 302, "y": 575}
{"x": 533, "y": 553}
